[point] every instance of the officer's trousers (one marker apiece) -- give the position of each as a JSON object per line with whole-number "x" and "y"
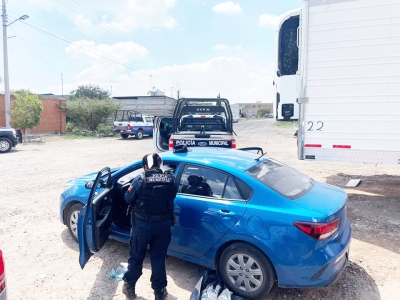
{"x": 156, "y": 235}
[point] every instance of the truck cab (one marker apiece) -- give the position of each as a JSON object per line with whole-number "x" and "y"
{"x": 132, "y": 123}
{"x": 196, "y": 122}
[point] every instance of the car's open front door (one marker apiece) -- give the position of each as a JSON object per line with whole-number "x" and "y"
{"x": 94, "y": 222}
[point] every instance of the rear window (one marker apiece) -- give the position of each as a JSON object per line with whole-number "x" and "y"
{"x": 284, "y": 179}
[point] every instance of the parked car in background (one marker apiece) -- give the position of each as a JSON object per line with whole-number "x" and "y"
{"x": 260, "y": 221}
{"x": 235, "y": 118}
{"x": 3, "y": 285}
{"x": 9, "y": 138}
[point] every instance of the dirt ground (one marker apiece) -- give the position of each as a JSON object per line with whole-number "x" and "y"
{"x": 42, "y": 259}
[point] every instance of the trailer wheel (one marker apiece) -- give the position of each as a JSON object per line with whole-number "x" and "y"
{"x": 139, "y": 135}
{"x": 124, "y": 135}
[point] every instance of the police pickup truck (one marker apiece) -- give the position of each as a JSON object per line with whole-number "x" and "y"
{"x": 196, "y": 122}
{"x": 132, "y": 123}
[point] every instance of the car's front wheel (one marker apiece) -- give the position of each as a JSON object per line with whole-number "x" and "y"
{"x": 72, "y": 220}
{"x": 246, "y": 271}
{"x": 5, "y": 145}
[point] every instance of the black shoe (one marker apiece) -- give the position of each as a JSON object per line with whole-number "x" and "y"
{"x": 161, "y": 295}
{"x": 129, "y": 291}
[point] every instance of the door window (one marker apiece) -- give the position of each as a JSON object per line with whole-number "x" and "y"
{"x": 209, "y": 182}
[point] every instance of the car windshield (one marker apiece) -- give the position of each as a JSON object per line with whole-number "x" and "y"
{"x": 284, "y": 179}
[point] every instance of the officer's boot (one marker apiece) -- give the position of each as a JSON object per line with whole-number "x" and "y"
{"x": 129, "y": 290}
{"x": 160, "y": 295}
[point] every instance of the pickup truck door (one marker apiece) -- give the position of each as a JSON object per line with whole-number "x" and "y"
{"x": 94, "y": 222}
{"x": 161, "y": 133}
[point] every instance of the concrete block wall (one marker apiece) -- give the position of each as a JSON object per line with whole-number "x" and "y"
{"x": 149, "y": 105}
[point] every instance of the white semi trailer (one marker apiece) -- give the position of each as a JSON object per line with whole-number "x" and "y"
{"x": 349, "y": 95}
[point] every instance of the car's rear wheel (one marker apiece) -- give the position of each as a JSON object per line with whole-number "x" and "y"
{"x": 246, "y": 271}
{"x": 5, "y": 145}
{"x": 124, "y": 135}
{"x": 139, "y": 135}
{"x": 72, "y": 220}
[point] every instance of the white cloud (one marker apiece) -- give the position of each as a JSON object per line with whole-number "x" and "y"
{"x": 122, "y": 52}
{"x": 230, "y": 76}
{"x": 223, "y": 47}
{"x": 227, "y": 8}
{"x": 83, "y": 23}
{"x": 220, "y": 47}
{"x": 123, "y": 15}
{"x": 144, "y": 14}
{"x": 268, "y": 20}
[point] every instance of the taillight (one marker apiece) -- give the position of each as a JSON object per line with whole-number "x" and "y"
{"x": 171, "y": 144}
{"x": 318, "y": 231}
{"x": 129, "y": 127}
{"x": 233, "y": 143}
{"x": 2, "y": 273}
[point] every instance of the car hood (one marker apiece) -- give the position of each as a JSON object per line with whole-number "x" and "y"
{"x": 85, "y": 178}
{"x": 323, "y": 198}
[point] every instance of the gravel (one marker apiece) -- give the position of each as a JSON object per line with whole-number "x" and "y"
{"x": 42, "y": 258}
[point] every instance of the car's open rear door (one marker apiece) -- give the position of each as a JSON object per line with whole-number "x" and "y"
{"x": 94, "y": 221}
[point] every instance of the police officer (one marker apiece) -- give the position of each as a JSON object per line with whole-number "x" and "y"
{"x": 151, "y": 194}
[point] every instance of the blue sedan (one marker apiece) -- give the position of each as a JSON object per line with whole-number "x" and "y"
{"x": 260, "y": 221}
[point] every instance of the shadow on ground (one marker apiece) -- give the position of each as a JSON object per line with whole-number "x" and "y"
{"x": 373, "y": 208}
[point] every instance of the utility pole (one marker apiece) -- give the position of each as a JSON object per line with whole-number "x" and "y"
{"x": 5, "y": 58}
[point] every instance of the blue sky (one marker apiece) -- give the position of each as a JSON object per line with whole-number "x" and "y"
{"x": 201, "y": 47}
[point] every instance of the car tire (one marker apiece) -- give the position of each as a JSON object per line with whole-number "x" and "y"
{"x": 139, "y": 135}
{"x": 5, "y": 145}
{"x": 72, "y": 220}
{"x": 124, "y": 135}
{"x": 250, "y": 282}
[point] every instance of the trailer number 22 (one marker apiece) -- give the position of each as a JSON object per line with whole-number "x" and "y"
{"x": 318, "y": 126}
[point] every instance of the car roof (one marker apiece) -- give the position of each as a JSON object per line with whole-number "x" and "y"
{"x": 222, "y": 158}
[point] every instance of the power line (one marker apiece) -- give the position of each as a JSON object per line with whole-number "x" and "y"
{"x": 119, "y": 33}
{"x": 35, "y": 53}
{"x": 95, "y": 53}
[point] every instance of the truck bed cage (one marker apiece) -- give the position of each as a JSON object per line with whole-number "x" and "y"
{"x": 127, "y": 115}
{"x": 218, "y": 107}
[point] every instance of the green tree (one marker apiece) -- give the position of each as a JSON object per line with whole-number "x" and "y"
{"x": 89, "y": 113}
{"x": 90, "y": 91}
{"x": 262, "y": 112}
{"x": 26, "y": 110}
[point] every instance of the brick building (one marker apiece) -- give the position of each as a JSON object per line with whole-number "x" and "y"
{"x": 52, "y": 119}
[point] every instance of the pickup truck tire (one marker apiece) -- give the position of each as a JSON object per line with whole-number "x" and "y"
{"x": 5, "y": 145}
{"x": 139, "y": 135}
{"x": 124, "y": 135}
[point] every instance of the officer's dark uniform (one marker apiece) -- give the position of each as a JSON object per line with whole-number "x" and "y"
{"x": 149, "y": 230}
